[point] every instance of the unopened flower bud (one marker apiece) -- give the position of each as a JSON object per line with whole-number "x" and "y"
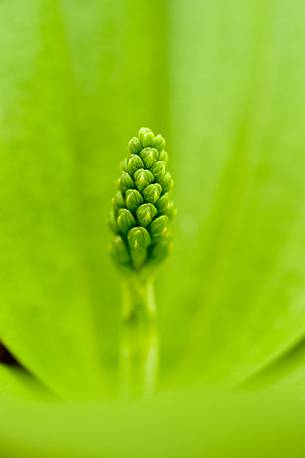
{"x": 138, "y": 241}
{"x": 149, "y": 156}
{"x": 158, "y": 170}
{"x": 146, "y": 136}
{"x": 165, "y": 206}
{"x": 134, "y": 145}
{"x": 143, "y": 178}
{"x": 134, "y": 162}
{"x": 167, "y": 182}
{"x": 133, "y": 199}
{"x": 145, "y": 214}
{"x": 126, "y": 182}
{"x": 159, "y": 227}
{"x": 125, "y": 220}
{"x": 138, "y": 238}
{"x": 159, "y": 142}
{"x": 119, "y": 251}
{"x": 163, "y": 156}
{"x": 152, "y": 193}
{"x": 162, "y": 203}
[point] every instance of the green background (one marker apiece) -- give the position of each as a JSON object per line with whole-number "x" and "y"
{"x": 224, "y": 83}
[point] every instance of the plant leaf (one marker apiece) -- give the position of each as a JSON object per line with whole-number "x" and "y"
{"x": 66, "y": 116}
{"x": 224, "y": 84}
{"x": 237, "y": 272}
{"x": 175, "y": 425}
{"x": 45, "y": 314}
{"x": 287, "y": 370}
{"x": 16, "y": 383}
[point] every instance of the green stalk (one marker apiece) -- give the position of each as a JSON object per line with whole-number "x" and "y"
{"x": 139, "y": 344}
{"x": 142, "y": 209}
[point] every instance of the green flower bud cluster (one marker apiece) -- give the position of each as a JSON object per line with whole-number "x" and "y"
{"x": 142, "y": 207}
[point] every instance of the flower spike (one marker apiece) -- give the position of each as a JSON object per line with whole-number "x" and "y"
{"x": 142, "y": 207}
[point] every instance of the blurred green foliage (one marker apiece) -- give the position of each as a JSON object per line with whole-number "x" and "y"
{"x": 224, "y": 83}
{"x": 179, "y": 424}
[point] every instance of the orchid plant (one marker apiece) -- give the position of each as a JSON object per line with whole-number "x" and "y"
{"x": 224, "y": 83}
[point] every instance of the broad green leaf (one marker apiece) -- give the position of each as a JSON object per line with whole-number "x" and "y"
{"x": 181, "y": 424}
{"x": 233, "y": 294}
{"x": 288, "y": 370}
{"x": 70, "y": 98}
{"x": 16, "y": 383}
{"x": 224, "y": 84}
{"x": 45, "y": 314}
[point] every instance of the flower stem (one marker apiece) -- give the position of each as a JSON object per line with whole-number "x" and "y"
{"x": 139, "y": 345}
